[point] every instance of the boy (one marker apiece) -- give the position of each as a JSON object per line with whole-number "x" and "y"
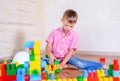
{"x": 63, "y": 41}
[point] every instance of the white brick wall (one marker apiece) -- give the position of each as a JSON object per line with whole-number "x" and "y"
{"x": 20, "y": 21}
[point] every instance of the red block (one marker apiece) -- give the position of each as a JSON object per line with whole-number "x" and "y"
{"x": 116, "y": 79}
{"x": 10, "y": 78}
{"x": 115, "y": 65}
{"x": 102, "y": 60}
{"x": 43, "y": 76}
{"x": 27, "y": 77}
{"x": 52, "y": 67}
{"x": 92, "y": 76}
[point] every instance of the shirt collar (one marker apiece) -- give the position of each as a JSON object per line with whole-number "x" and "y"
{"x": 61, "y": 29}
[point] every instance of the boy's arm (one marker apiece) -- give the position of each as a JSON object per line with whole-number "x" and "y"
{"x": 48, "y": 51}
{"x": 68, "y": 56}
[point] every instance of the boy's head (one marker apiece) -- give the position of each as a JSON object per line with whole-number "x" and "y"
{"x": 69, "y": 19}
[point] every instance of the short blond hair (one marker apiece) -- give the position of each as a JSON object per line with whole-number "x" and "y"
{"x": 70, "y": 15}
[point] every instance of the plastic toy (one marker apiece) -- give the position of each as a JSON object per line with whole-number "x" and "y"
{"x": 35, "y": 68}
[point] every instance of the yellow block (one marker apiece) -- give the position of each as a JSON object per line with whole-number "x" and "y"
{"x": 59, "y": 80}
{"x": 5, "y": 62}
{"x": 64, "y": 80}
{"x": 54, "y": 80}
{"x": 69, "y": 79}
{"x": 105, "y": 79}
{"x": 74, "y": 79}
{"x": 43, "y": 80}
{"x": 102, "y": 73}
{"x": 85, "y": 79}
{"x": 100, "y": 79}
{"x": 98, "y": 73}
{"x": 110, "y": 78}
{"x": 16, "y": 63}
{"x": 48, "y": 80}
{"x": 36, "y": 47}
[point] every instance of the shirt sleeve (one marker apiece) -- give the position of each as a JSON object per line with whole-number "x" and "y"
{"x": 50, "y": 37}
{"x": 74, "y": 42}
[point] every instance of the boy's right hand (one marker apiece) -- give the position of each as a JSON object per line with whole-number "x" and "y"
{"x": 52, "y": 58}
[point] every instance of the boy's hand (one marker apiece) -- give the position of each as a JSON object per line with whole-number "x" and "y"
{"x": 52, "y": 58}
{"x": 62, "y": 65}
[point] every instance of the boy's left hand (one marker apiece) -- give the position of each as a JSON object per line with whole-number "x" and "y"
{"x": 62, "y": 65}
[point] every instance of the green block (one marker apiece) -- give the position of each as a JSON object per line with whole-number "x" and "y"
{"x": 27, "y": 71}
{"x": 46, "y": 56}
{"x": 110, "y": 70}
{"x": 32, "y": 58}
{"x": 20, "y": 66}
{"x": 35, "y": 72}
{"x": 110, "y": 66}
{"x": 31, "y": 52}
{"x": 47, "y": 75}
{"x": 56, "y": 62}
{"x": 11, "y": 69}
{"x": 80, "y": 78}
{"x": 57, "y": 71}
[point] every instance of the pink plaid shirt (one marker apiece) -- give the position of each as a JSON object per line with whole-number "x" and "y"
{"x": 62, "y": 43}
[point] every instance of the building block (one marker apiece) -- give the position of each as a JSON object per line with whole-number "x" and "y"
{"x": 0, "y": 70}
{"x": 57, "y": 71}
{"x": 10, "y": 78}
{"x": 105, "y": 79}
{"x": 110, "y": 70}
{"x": 115, "y": 64}
{"x": 35, "y": 78}
{"x": 29, "y": 44}
{"x": 51, "y": 76}
{"x": 116, "y": 73}
{"x": 85, "y": 79}
{"x": 64, "y": 80}
{"x": 116, "y": 79}
{"x": 92, "y": 76}
{"x": 110, "y": 78}
{"x": 3, "y": 69}
{"x": 26, "y": 77}
{"x": 26, "y": 65}
{"x": 80, "y": 78}
{"x": 85, "y": 74}
{"x": 100, "y": 73}
{"x": 74, "y": 79}
{"x": 20, "y": 74}
{"x": 43, "y": 75}
{"x": 102, "y": 60}
{"x": 11, "y": 69}
{"x": 106, "y": 73}
{"x": 69, "y": 79}
{"x": 59, "y": 80}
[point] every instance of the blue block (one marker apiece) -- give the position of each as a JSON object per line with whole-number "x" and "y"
{"x": 33, "y": 78}
{"x": 51, "y": 76}
{"x": 26, "y": 65}
{"x": 106, "y": 73}
{"x": 43, "y": 64}
{"x": 20, "y": 74}
{"x": 116, "y": 73}
{"x": 29, "y": 44}
{"x": 85, "y": 74}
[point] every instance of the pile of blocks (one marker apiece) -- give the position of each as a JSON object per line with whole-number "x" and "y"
{"x": 39, "y": 69}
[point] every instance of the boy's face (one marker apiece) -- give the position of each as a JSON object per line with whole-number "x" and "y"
{"x": 67, "y": 26}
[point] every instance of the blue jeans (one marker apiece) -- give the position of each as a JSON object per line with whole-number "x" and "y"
{"x": 84, "y": 64}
